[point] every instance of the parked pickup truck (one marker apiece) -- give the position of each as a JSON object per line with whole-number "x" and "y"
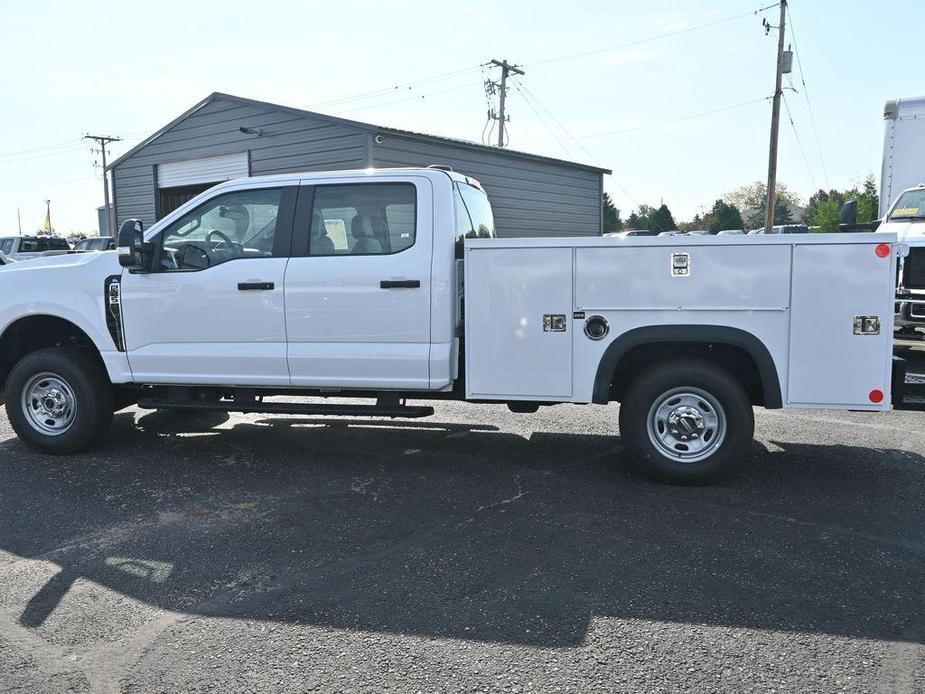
{"x": 26, "y": 247}
{"x": 390, "y": 285}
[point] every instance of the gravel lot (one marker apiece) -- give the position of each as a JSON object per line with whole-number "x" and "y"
{"x": 476, "y": 550}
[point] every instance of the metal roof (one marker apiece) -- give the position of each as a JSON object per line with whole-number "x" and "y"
{"x": 216, "y": 96}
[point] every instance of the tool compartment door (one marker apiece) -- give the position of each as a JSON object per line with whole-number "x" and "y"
{"x": 509, "y": 355}
{"x": 829, "y": 364}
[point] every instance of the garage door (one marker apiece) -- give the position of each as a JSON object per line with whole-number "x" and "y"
{"x": 197, "y": 171}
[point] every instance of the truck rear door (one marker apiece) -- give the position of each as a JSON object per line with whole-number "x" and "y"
{"x": 358, "y": 285}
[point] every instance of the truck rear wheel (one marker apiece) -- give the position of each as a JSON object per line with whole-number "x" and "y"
{"x": 686, "y": 422}
{"x": 59, "y": 400}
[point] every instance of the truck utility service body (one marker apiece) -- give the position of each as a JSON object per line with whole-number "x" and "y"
{"x": 389, "y": 284}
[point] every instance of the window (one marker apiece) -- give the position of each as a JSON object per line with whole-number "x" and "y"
{"x": 55, "y": 243}
{"x": 363, "y": 219}
{"x": 240, "y": 224}
{"x": 474, "y": 219}
{"x": 6, "y": 246}
{"x": 910, "y": 206}
{"x": 29, "y": 245}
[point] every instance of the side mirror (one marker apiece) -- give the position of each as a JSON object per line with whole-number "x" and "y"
{"x": 849, "y": 213}
{"x": 130, "y": 244}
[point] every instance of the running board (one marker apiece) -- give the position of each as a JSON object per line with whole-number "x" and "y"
{"x": 404, "y": 411}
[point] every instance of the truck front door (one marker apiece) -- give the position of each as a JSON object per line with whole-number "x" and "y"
{"x": 212, "y": 311}
{"x": 358, "y": 286}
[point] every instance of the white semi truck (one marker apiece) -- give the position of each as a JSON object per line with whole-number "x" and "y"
{"x": 390, "y": 285}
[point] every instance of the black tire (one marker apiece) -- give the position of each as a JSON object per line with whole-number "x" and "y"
{"x": 664, "y": 385}
{"x": 91, "y": 395}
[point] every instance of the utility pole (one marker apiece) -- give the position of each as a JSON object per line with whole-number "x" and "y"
{"x": 506, "y": 69}
{"x": 775, "y": 117}
{"x": 19, "y": 220}
{"x": 104, "y": 140}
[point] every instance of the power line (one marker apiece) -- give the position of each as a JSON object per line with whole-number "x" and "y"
{"x": 542, "y": 120}
{"x": 799, "y": 144}
{"x": 397, "y": 88}
{"x": 809, "y": 106}
{"x": 58, "y": 145}
{"x": 48, "y": 185}
{"x": 673, "y": 121}
{"x": 530, "y": 96}
{"x": 656, "y": 37}
{"x": 409, "y": 98}
{"x": 44, "y": 155}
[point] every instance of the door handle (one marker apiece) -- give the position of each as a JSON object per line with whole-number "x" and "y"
{"x": 254, "y": 286}
{"x": 399, "y": 284}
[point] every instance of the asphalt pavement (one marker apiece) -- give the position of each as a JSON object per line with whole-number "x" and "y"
{"x": 476, "y": 550}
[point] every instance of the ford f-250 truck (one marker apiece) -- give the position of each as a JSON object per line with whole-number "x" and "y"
{"x": 390, "y": 285}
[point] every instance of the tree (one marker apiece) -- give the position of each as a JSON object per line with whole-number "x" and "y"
{"x": 827, "y": 215}
{"x": 634, "y": 221}
{"x": 724, "y": 216}
{"x": 819, "y": 198}
{"x": 868, "y": 200}
{"x": 752, "y": 201}
{"x": 824, "y": 207}
{"x": 612, "y": 221}
{"x": 661, "y": 219}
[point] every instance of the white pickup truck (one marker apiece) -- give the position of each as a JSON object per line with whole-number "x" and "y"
{"x": 390, "y": 285}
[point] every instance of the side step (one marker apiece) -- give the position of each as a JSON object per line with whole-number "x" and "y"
{"x": 396, "y": 410}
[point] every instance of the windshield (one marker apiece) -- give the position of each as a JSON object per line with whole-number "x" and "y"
{"x": 911, "y": 205}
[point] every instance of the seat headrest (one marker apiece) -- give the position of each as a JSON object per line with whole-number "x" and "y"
{"x": 362, "y": 227}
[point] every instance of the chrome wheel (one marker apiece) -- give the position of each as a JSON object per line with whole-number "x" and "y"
{"x": 49, "y": 404}
{"x": 686, "y": 424}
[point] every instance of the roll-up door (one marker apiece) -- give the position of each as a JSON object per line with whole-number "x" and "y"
{"x": 197, "y": 171}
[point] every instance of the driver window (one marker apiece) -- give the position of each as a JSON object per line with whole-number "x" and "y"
{"x": 240, "y": 224}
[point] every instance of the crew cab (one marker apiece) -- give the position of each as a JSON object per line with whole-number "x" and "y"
{"x": 390, "y": 285}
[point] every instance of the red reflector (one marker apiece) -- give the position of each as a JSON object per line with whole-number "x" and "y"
{"x": 883, "y": 250}
{"x": 876, "y": 396}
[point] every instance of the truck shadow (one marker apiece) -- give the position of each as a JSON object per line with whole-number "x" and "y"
{"x": 462, "y": 531}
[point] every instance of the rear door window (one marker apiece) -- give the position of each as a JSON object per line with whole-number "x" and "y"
{"x": 363, "y": 219}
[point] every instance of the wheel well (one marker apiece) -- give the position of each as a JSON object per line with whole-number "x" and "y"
{"x": 734, "y": 359}
{"x": 37, "y": 332}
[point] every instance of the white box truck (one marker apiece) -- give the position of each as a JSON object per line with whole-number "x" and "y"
{"x": 389, "y": 285}
{"x": 902, "y": 206}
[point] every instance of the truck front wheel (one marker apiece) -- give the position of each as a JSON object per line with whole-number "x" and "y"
{"x": 59, "y": 400}
{"x": 686, "y": 422}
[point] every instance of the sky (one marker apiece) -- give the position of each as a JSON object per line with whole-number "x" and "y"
{"x": 669, "y": 94}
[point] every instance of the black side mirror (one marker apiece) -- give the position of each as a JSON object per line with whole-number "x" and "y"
{"x": 130, "y": 244}
{"x": 849, "y": 213}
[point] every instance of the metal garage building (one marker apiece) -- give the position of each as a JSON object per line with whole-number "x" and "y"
{"x": 224, "y": 137}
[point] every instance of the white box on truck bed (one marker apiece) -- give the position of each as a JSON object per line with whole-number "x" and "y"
{"x": 797, "y": 295}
